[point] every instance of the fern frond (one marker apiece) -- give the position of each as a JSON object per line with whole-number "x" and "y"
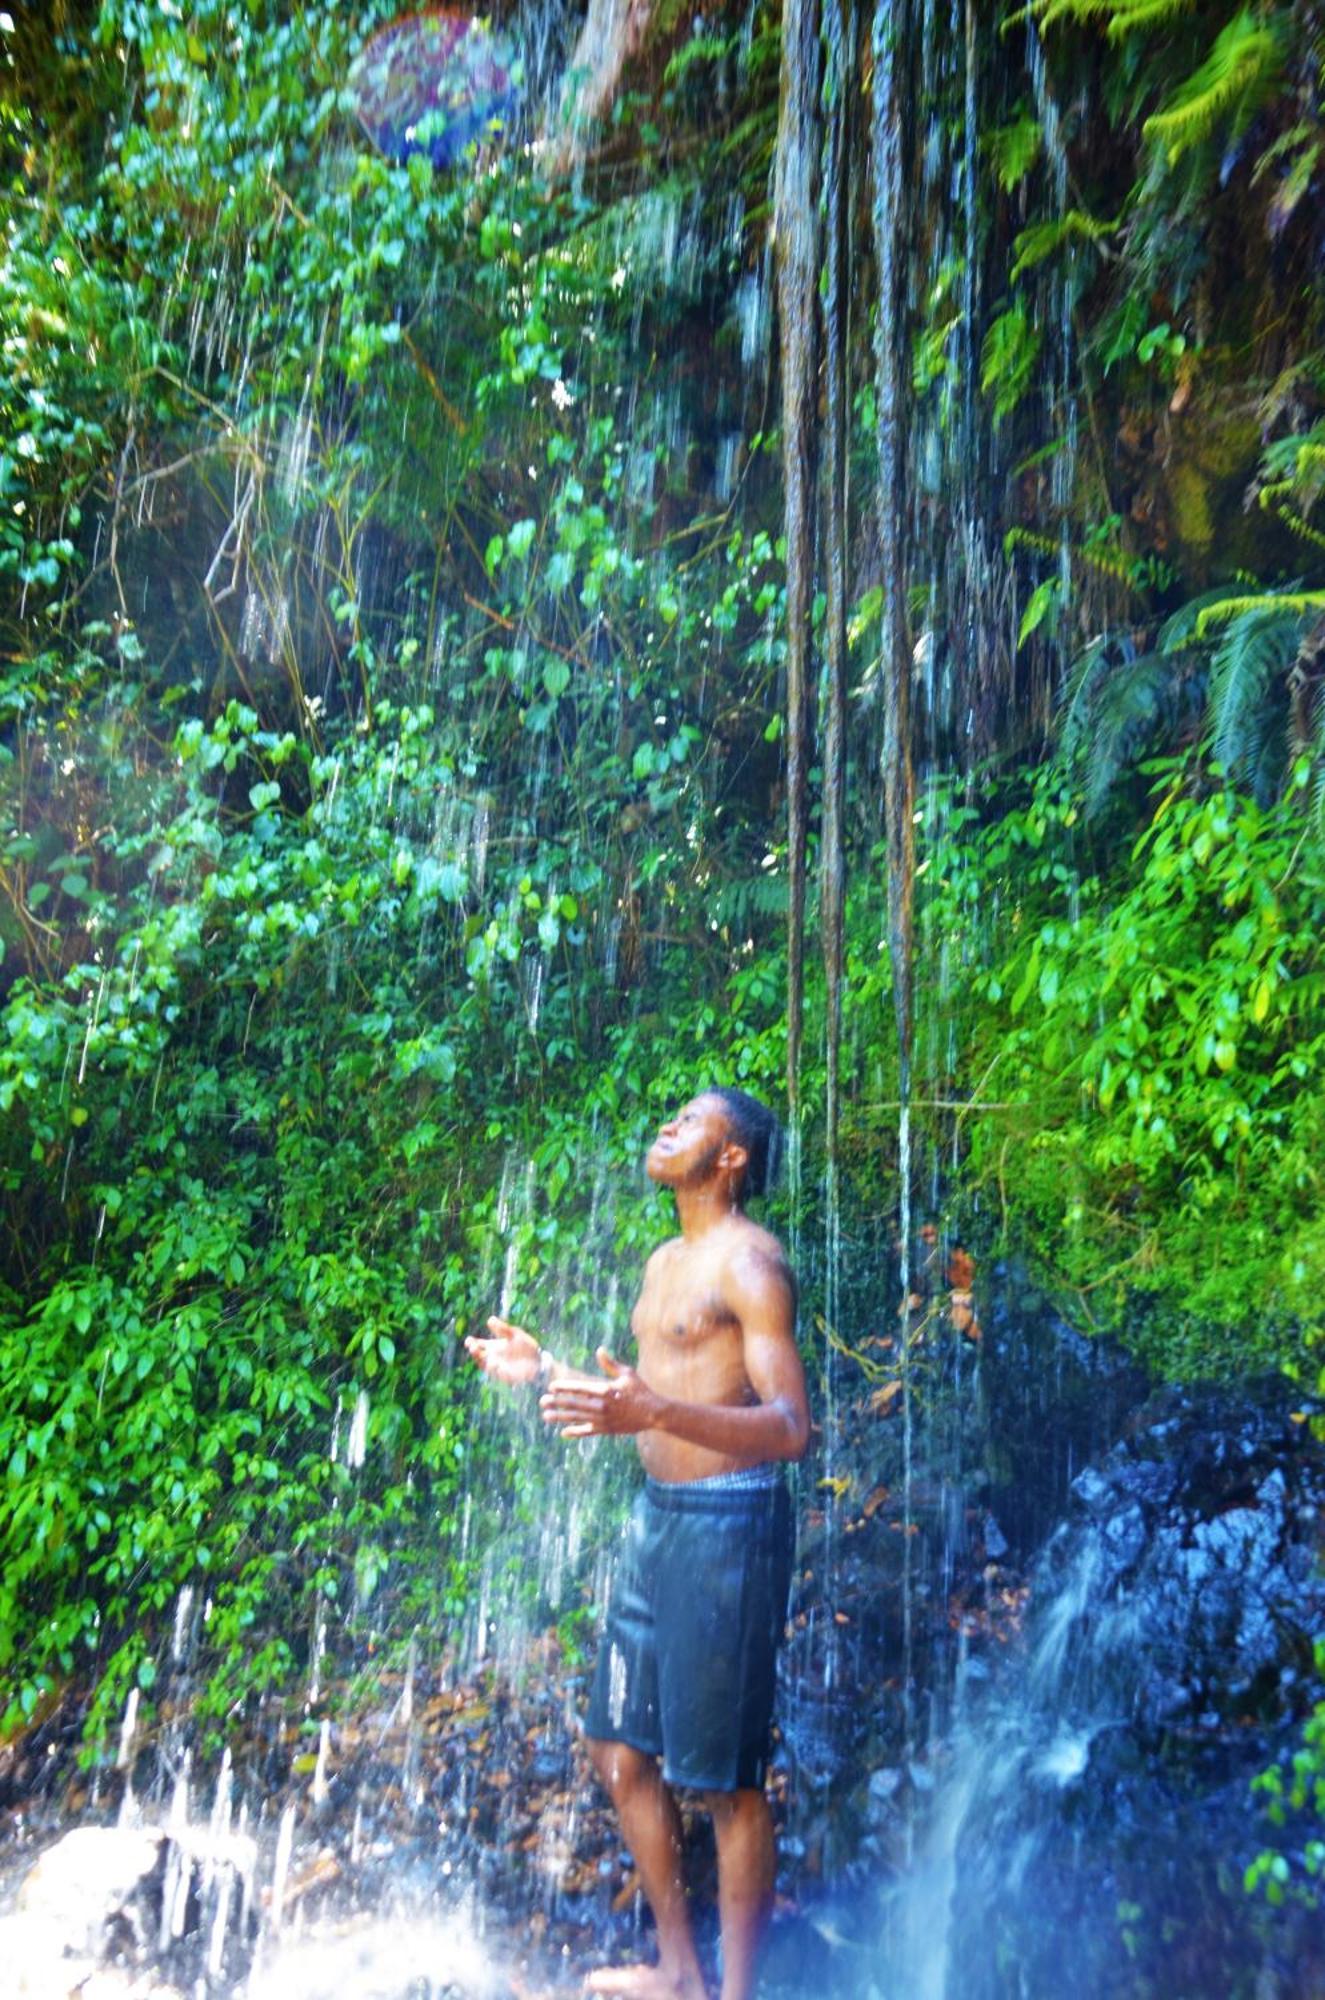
{"x": 1110, "y": 704}
{"x": 1179, "y": 630}
{"x": 1254, "y": 650}
{"x": 1299, "y": 602}
{"x": 1042, "y": 239}
{"x": 1295, "y": 183}
{"x": 1129, "y": 15}
{"x": 1014, "y": 149}
{"x": 1293, "y": 520}
{"x": 1031, "y": 538}
{"x": 1280, "y": 148}
{"x": 1127, "y": 705}
{"x": 1306, "y": 692}
{"x": 700, "y": 48}
{"x": 1291, "y": 480}
{"x": 1084, "y": 677}
{"x": 1007, "y": 359}
{"x": 1049, "y": 12}
{"x": 1124, "y": 16}
{"x": 1296, "y": 469}
{"x": 1310, "y": 742}
{"x": 1239, "y": 69}
{"x": 1104, "y": 561}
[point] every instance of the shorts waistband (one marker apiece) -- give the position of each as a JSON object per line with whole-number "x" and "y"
{"x": 748, "y": 1482}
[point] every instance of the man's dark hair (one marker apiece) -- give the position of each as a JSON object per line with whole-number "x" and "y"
{"x": 753, "y": 1126}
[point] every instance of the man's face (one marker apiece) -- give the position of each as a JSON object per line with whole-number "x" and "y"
{"x": 687, "y": 1147}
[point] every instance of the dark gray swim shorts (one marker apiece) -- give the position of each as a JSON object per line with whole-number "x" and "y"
{"x": 686, "y": 1664}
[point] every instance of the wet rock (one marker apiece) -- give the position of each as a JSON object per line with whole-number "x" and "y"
{"x": 1125, "y": 1532}
{"x": 883, "y": 1797}
{"x": 996, "y": 1542}
{"x": 95, "y": 1906}
{"x": 1092, "y": 1489}
{"x": 82, "y": 1880}
{"x": 1208, "y": 1517}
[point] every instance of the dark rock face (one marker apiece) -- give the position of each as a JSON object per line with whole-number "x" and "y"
{"x": 1079, "y": 1815}
{"x": 916, "y": 1572}
{"x": 1109, "y": 1811}
{"x": 1209, "y": 1516}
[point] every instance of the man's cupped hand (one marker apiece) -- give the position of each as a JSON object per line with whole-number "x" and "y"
{"x": 617, "y": 1406}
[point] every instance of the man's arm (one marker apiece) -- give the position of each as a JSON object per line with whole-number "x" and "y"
{"x": 514, "y": 1358}
{"x": 759, "y": 1291}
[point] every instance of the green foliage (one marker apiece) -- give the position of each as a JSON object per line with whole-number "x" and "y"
{"x": 1255, "y": 650}
{"x": 1294, "y": 1790}
{"x": 1118, "y": 17}
{"x": 364, "y": 813}
{"x": 1156, "y": 1038}
{"x": 1014, "y": 149}
{"x": 1234, "y": 660}
{"x": 1239, "y": 72}
{"x": 1008, "y": 358}
{"x": 1040, "y": 240}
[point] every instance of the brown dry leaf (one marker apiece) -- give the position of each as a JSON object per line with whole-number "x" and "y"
{"x": 873, "y": 1502}
{"x": 841, "y": 1618}
{"x": 883, "y": 1399}
{"x": 961, "y": 1270}
{"x": 319, "y": 1872}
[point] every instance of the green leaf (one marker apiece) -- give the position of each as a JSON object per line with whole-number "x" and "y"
{"x": 1045, "y": 601}
{"x": 520, "y": 539}
{"x": 1040, "y": 240}
{"x": 1014, "y": 149}
{"x": 1235, "y": 77}
{"x": 1007, "y": 359}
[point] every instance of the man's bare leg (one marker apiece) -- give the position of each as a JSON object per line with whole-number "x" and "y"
{"x": 651, "y": 1826}
{"x": 747, "y": 1865}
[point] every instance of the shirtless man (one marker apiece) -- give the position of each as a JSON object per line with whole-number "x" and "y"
{"x": 686, "y": 1665}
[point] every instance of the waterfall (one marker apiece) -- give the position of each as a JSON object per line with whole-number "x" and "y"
{"x": 840, "y": 40}
{"x": 893, "y": 377}
{"x": 796, "y": 225}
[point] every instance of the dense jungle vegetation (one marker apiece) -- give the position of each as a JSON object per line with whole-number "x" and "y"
{"x": 392, "y": 684}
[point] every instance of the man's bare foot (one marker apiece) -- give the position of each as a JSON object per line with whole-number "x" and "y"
{"x": 645, "y": 1982}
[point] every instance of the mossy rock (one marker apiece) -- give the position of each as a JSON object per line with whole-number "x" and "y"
{"x": 1213, "y": 454}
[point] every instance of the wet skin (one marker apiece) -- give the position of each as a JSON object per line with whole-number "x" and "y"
{"x": 717, "y": 1385}
{"x": 718, "y": 1382}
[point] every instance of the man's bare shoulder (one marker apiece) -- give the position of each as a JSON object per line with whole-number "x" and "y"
{"x": 754, "y": 1254}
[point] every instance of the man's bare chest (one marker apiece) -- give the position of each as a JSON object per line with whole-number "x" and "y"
{"x": 682, "y": 1307}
